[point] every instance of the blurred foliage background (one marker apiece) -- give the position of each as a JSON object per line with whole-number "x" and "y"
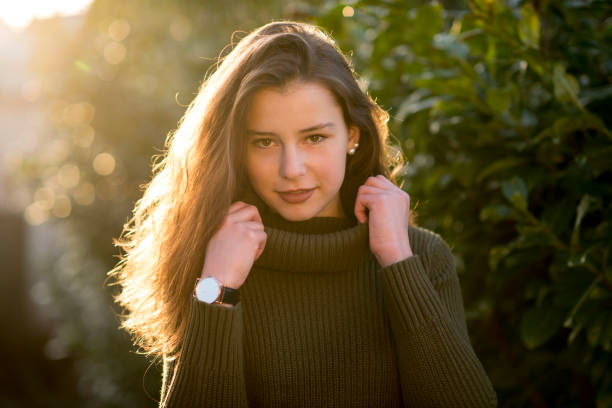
{"x": 501, "y": 107}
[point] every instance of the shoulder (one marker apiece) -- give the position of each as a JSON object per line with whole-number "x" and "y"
{"x": 433, "y": 250}
{"x": 424, "y": 241}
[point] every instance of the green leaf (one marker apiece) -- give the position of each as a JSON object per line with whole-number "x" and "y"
{"x": 570, "y": 124}
{"x": 574, "y": 333}
{"x": 515, "y": 191}
{"x": 595, "y": 94}
{"x": 499, "y": 100}
{"x": 580, "y": 312}
{"x": 565, "y": 85}
{"x": 529, "y": 26}
{"x": 595, "y": 330}
{"x": 495, "y": 212}
{"x": 500, "y": 165}
{"x": 427, "y": 22}
{"x": 539, "y": 324}
{"x": 448, "y": 43}
{"x": 496, "y": 254}
{"x": 490, "y": 7}
{"x": 413, "y": 105}
{"x": 534, "y": 236}
{"x": 581, "y": 210}
{"x": 570, "y": 286}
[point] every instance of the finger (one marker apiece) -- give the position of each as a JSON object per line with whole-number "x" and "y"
{"x": 363, "y": 204}
{"x": 246, "y": 213}
{"x": 360, "y": 209}
{"x": 253, "y": 225}
{"x": 261, "y": 246}
{"x": 236, "y": 206}
{"x": 385, "y": 180}
{"x": 377, "y": 181}
{"x": 366, "y": 189}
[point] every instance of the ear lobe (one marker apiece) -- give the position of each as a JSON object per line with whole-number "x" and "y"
{"x": 353, "y": 135}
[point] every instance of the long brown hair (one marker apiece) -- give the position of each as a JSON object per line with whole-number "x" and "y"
{"x": 202, "y": 172}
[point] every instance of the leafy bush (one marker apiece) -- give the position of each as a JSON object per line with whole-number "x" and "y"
{"x": 502, "y": 109}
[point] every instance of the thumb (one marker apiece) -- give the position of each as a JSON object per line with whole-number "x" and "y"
{"x": 260, "y": 249}
{"x": 361, "y": 209}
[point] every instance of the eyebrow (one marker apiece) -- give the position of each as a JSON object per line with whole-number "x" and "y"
{"x": 310, "y": 129}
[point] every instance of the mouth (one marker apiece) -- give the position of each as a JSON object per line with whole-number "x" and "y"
{"x": 296, "y": 191}
{"x": 295, "y": 196}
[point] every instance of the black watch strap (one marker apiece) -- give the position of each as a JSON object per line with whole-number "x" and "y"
{"x": 229, "y": 296}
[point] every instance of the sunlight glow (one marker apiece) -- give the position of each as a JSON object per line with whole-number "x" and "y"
{"x": 18, "y": 14}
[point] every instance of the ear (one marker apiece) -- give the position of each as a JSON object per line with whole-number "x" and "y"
{"x": 353, "y": 137}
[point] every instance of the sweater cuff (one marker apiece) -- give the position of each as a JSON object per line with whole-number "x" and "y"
{"x": 214, "y": 334}
{"x": 411, "y": 297}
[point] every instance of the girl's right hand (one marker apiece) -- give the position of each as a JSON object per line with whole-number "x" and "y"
{"x": 235, "y": 246}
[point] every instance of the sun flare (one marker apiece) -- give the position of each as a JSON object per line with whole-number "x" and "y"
{"x": 18, "y": 14}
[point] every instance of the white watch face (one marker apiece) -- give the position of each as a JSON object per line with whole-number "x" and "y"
{"x": 208, "y": 290}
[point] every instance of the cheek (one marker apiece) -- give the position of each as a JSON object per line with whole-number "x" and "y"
{"x": 332, "y": 167}
{"x": 259, "y": 170}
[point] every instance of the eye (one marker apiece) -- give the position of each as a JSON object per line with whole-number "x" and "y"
{"x": 316, "y": 138}
{"x": 262, "y": 143}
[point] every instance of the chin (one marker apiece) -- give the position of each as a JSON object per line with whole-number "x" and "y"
{"x": 299, "y": 215}
{"x": 296, "y": 216}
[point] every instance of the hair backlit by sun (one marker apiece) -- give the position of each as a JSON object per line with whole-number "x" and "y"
{"x": 18, "y": 14}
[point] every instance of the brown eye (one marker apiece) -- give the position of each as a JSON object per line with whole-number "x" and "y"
{"x": 263, "y": 142}
{"x": 316, "y": 138}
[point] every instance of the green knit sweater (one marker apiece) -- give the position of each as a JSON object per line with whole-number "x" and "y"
{"x": 321, "y": 324}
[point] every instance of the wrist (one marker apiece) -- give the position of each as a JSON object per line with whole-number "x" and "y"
{"x": 210, "y": 290}
{"x": 224, "y": 280}
{"x": 394, "y": 255}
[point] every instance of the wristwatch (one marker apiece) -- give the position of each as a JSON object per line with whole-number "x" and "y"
{"x": 209, "y": 290}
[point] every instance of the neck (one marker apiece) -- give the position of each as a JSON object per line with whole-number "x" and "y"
{"x": 315, "y": 225}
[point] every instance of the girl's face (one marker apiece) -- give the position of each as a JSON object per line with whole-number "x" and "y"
{"x": 297, "y": 144}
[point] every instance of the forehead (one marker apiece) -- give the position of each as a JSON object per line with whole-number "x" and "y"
{"x": 298, "y": 105}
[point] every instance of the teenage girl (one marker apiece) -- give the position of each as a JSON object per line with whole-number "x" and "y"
{"x": 271, "y": 261}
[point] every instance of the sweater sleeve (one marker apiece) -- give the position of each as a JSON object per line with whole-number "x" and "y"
{"x": 209, "y": 371}
{"x": 437, "y": 365}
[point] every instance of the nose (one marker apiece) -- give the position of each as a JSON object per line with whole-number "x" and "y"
{"x": 292, "y": 163}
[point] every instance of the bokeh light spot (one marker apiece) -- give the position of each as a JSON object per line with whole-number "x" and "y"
{"x": 78, "y": 114}
{"x": 68, "y": 175}
{"x": 55, "y": 110}
{"x": 104, "y": 164}
{"x": 36, "y": 213}
{"x": 62, "y": 207}
{"x": 114, "y": 53}
{"x": 55, "y": 152}
{"x": 348, "y": 11}
{"x": 119, "y": 29}
{"x": 55, "y": 349}
{"x": 84, "y": 194}
{"x": 83, "y": 136}
{"x": 40, "y": 293}
{"x": 45, "y": 197}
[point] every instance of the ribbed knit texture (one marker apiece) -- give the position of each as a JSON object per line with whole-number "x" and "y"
{"x": 321, "y": 324}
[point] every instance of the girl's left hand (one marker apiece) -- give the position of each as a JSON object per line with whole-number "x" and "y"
{"x": 389, "y": 213}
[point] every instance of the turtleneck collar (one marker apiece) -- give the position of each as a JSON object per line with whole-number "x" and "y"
{"x": 320, "y": 244}
{"x": 316, "y": 225}
{"x": 316, "y": 252}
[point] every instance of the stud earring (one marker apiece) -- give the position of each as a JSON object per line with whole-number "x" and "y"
{"x": 352, "y": 151}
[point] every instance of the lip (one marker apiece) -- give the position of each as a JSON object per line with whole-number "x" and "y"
{"x": 295, "y": 196}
